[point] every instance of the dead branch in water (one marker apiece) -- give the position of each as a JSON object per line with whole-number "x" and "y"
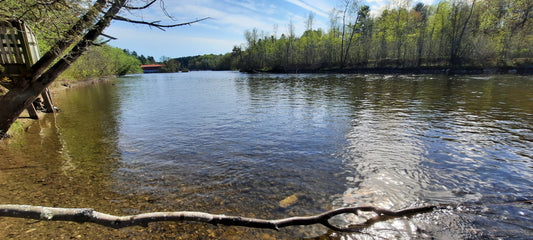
{"x": 82, "y": 215}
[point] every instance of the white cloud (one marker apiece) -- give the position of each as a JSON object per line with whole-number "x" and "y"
{"x": 157, "y": 43}
{"x": 378, "y": 6}
{"x": 254, "y": 6}
{"x": 225, "y": 28}
{"x": 324, "y": 5}
{"x": 305, "y": 5}
{"x": 230, "y": 19}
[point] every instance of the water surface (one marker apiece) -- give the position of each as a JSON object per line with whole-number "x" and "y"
{"x": 239, "y": 144}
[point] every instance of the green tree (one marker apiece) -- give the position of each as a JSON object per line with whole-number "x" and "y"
{"x": 151, "y": 60}
{"x": 349, "y": 9}
{"x": 50, "y": 20}
{"x": 357, "y": 29}
{"x": 420, "y": 17}
{"x": 143, "y": 59}
{"x": 460, "y": 18}
{"x": 171, "y": 65}
{"x": 449, "y": 33}
{"x": 102, "y": 61}
{"x": 251, "y": 62}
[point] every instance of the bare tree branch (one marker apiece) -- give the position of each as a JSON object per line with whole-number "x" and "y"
{"x": 107, "y": 36}
{"x": 140, "y": 8}
{"x": 89, "y": 215}
{"x": 164, "y": 8}
{"x": 156, "y": 23}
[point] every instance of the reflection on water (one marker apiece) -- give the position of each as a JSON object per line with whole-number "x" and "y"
{"x": 273, "y": 146}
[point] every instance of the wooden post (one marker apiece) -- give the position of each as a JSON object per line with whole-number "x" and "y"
{"x": 33, "y": 113}
{"x": 48, "y": 101}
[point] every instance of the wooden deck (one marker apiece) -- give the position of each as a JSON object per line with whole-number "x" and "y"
{"x": 19, "y": 50}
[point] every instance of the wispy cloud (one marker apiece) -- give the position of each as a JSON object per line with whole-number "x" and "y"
{"x": 157, "y": 43}
{"x": 225, "y": 28}
{"x": 378, "y": 6}
{"x": 230, "y": 19}
{"x": 310, "y": 7}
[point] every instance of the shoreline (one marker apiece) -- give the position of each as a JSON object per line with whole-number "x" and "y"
{"x": 23, "y": 122}
{"x": 526, "y": 70}
{"x": 64, "y": 84}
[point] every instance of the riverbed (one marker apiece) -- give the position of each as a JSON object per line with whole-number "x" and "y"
{"x": 281, "y": 145}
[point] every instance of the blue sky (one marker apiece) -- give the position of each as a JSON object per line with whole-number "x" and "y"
{"x": 229, "y": 19}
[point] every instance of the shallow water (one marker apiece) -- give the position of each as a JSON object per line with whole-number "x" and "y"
{"x": 275, "y": 146}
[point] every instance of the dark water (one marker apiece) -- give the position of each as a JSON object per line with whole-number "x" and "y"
{"x": 238, "y": 144}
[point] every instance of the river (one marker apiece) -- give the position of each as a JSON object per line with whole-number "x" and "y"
{"x": 281, "y": 145}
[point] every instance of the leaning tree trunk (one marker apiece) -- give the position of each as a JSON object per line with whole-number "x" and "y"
{"x": 22, "y": 95}
{"x": 455, "y": 57}
{"x": 14, "y": 102}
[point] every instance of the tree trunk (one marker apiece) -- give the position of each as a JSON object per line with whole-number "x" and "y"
{"x": 13, "y": 103}
{"x": 21, "y": 96}
{"x": 455, "y": 58}
{"x": 85, "y": 22}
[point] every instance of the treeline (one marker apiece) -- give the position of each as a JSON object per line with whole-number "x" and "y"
{"x": 103, "y": 61}
{"x": 452, "y": 33}
{"x": 142, "y": 59}
{"x": 200, "y": 62}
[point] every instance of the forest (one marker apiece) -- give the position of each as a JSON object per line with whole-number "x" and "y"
{"x": 451, "y": 33}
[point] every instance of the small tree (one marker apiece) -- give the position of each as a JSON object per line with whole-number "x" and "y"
{"x": 68, "y": 47}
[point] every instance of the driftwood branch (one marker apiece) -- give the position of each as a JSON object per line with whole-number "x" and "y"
{"x": 82, "y": 215}
{"x": 156, "y": 23}
{"x": 90, "y": 215}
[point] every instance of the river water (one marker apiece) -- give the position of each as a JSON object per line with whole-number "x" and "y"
{"x": 275, "y": 146}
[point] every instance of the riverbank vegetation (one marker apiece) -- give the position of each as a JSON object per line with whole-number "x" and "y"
{"x": 103, "y": 61}
{"x": 449, "y": 34}
{"x": 99, "y": 62}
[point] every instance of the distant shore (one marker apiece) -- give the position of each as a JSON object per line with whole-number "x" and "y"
{"x": 62, "y": 84}
{"x": 407, "y": 70}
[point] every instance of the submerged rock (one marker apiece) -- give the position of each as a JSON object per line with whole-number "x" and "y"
{"x": 288, "y": 201}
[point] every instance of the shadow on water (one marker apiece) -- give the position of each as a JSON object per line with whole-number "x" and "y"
{"x": 62, "y": 160}
{"x": 275, "y": 146}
